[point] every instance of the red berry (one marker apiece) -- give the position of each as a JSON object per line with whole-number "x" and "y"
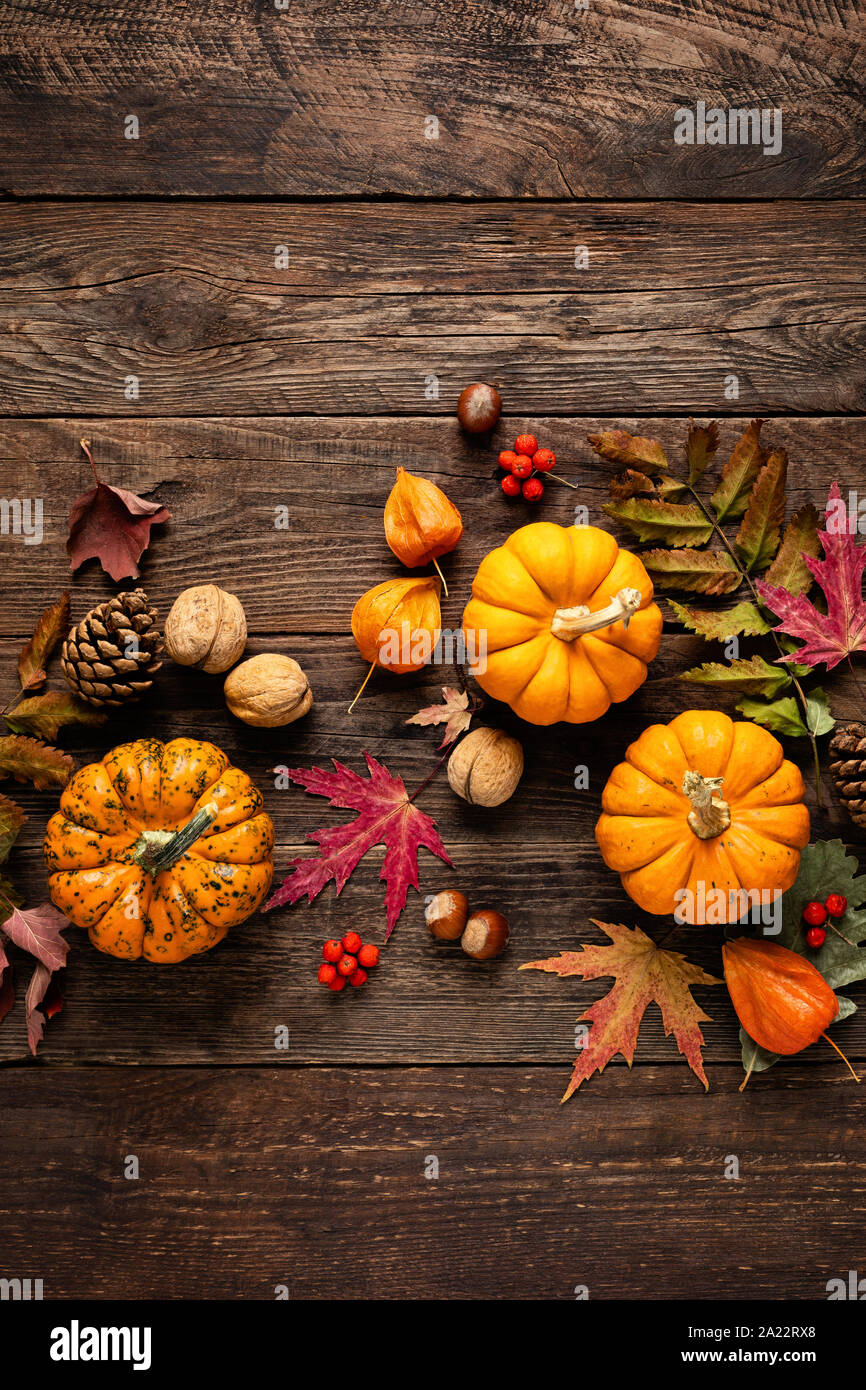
{"x": 368, "y": 956}
{"x": 815, "y": 937}
{"x": 544, "y": 460}
{"x": 359, "y": 978}
{"x": 352, "y": 943}
{"x": 347, "y": 965}
{"x": 507, "y": 459}
{"x": 836, "y": 905}
{"x": 522, "y": 466}
{"x": 327, "y": 973}
{"x": 511, "y": 485}
{"x": 814, "y": 914}
{"x": 525, "y": 444}
{"x": 338, "y": 983}
{"x": 332, "y": 950}
{"x": 533, "y": 489}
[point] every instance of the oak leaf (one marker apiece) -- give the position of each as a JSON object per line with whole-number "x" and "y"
{"x": 52, "y": 625}
{"x": 830, "y": 637}
{"x": 454, "y": 713}
{"x": 386, "y": 816}
{"x": 27, "y": 760}
{"x": 644, "y": 974}
{"x": 111, "y": 525}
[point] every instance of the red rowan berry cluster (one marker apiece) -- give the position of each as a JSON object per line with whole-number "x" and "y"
{"x": 347, "y": 962}
{"x": 522, "y": 465}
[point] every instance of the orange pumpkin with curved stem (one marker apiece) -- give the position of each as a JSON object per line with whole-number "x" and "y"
{"x": 703, "y": 803}
{"x": 561, "y": 623}
{"x": 159, "y": 849}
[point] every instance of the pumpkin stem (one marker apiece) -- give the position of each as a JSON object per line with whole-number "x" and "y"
{"x": 361, "y": 687}
{"x": 569, "y": 623}
{"x": 842, "y": 1055}
{"x": 710, "y": 815}
{"x": 441, "y": 575}
{"x": 160, "y": 849}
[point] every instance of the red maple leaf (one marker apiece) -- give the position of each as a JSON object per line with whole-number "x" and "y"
{"x": 111, "y": 525}
{"x": 832, "y": 636}
{"x": 643, "y": 974}
{"x": 386, "y": 816}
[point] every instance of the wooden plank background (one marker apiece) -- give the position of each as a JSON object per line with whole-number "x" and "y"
{"x": 305, "y": 386}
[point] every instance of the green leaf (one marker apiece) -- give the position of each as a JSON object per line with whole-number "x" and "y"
{"x": 757, "y": 1058}
{"x": 784, "y": 716}
{"x": 752, "y": 674}
{"x": 708, "y": 572}
{"x": 672, "y": 523}
{"x": 669, "y": 489}
{"x": 44, "y": 716}
{"x": 789, "y": 569}
{"x": 11, "y": 820}
{"x": 731, "y": 496}
{"x": 701, "y": 444}
{"x": 630, "y": 450}
{"x": 758, "y": 537}
{"x": 716, "y": 625}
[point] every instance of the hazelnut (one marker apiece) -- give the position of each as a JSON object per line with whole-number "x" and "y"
{"x": 486, "y": 935}
{"x": 268, "y": 690}
{"x": 485, "y": 767}
{"x": 446, "y": 915}
{"x": 206, "y": 627}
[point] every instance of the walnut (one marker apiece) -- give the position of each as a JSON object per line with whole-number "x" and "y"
{"x": 206, "y": 628}
{"x": 485, "y": 767}
{"x": 268, "y": 690}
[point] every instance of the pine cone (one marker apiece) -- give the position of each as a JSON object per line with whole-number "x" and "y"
{"x": 848, "y": 750}
{"x": 113, "y": 654}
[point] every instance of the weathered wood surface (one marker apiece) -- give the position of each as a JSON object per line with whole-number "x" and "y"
{"x": 316, "y": 1181}
{"x": 222, "y": 479}
{"x": 538, "y": 99}
{"x": 374, "y": 307}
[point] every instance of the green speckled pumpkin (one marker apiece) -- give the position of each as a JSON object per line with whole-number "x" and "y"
{"x": 159, "y": 849}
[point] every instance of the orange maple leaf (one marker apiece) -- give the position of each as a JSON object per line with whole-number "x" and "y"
{"x": 644, "y": 974}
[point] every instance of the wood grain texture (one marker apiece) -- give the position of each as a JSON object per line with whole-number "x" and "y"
{"x": 188, "y": 302}
{"x": 538, "y": 99}
{"x": 253, "y": 1179}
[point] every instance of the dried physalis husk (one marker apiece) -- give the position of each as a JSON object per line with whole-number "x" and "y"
{"x": 397, "y": 625}
{"x": 421, "y": 523}
{"x": 207, "y": 628}
{"x": 486, "y": 767}
{"x": 268, "y": 690}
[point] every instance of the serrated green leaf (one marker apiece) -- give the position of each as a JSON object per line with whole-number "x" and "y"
{"x": 28, "y": 760}
{"x": 783, "y": 716}
{"x": 629, "y": 450}
{"x": 714, "y": 625}
{"x": 752, "y": 674}
{"x": 709, "y": 572}
{"x": 758, "y": 537}
{"x": 701, "y": 444}
{"x": 757, "y": 1058}
{"x": 789, "y": 569}
{"x": 672, "y": 523}
{"x": 43, "y": 716}
{"x": 731, "y": 496}
{"x": 11, "y": 820}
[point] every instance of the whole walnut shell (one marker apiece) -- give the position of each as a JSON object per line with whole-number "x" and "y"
{"x": 485, "y": 767}
{"x": 206, "y": 628}
{"x": 268, "y": 690}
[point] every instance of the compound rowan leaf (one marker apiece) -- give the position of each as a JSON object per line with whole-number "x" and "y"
{"x": 829, "y": 637}
{"x": 644, "y": 974}
{"x": 752, "y": 675}
{"x": 27, "y": 760}
{"x": 52, "y": 625}
{"x": 708, "y": 572}
{"x": 717, "y": 625}
{"x": 630, "y": 450}
{"x": 386, "y": 816}
{"x": 731, "y": 496}
{"x": 455, "y": 713}
{"x": 702, "y": 442}
{"x": 758, "y": 537}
